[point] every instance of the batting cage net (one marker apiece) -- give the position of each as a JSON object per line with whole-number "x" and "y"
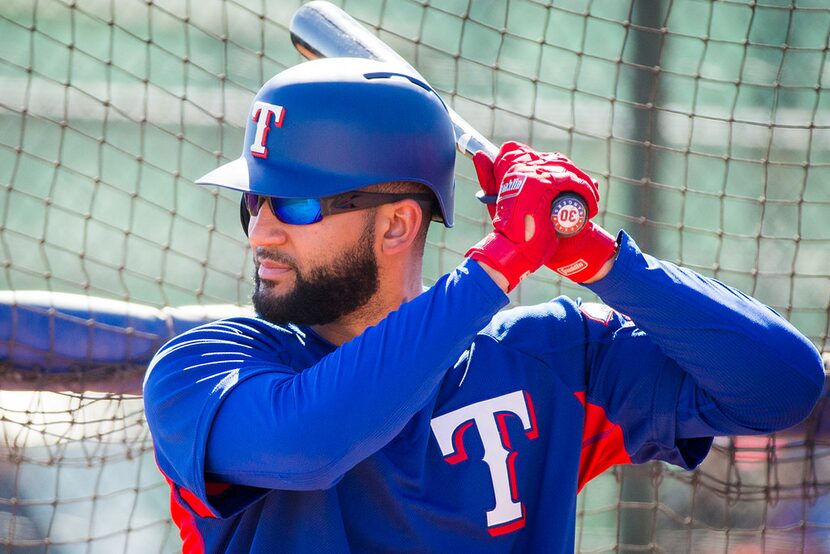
{"x": 707, "y": 125}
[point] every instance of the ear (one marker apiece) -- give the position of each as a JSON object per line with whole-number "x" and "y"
{"x": 399, "y": 223}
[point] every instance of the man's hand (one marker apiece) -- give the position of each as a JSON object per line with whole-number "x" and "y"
{"x": 523, "y": 236}
{"x": 583, "y": 257}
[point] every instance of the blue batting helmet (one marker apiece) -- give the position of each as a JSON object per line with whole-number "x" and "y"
{"x": 335, "y": 125}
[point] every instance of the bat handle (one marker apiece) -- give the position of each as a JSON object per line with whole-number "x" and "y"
{"x": 469, "y": 141}
{"x": 568, "y": 212}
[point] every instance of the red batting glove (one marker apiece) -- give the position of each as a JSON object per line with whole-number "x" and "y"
{"x": 522, "y": 193}
{"x": 579, "y": 257}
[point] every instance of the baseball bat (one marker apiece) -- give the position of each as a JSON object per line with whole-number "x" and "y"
{"x": 320, "y": 29}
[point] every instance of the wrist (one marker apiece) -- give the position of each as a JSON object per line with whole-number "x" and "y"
{"x": 503, "y": 257}
{"x": 497, "y": 276}
{"x": 604, "y": 270}
{"x": 586, "y": 257}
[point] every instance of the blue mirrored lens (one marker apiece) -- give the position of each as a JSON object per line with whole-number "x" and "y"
{"x": 297, "y": 211}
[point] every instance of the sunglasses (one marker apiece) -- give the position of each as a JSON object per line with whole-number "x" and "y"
{"x": 305, "y": 211}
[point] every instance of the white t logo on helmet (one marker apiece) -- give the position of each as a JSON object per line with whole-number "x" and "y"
{"x": 262, "y": 112}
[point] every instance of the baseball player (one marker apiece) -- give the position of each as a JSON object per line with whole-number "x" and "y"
{"x": 361, "y": 413}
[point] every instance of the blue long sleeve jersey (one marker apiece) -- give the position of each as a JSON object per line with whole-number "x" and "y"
{"x": 451, "y": 427}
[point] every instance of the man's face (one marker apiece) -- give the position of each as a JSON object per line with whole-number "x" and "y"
{"x": 315, "y": 284}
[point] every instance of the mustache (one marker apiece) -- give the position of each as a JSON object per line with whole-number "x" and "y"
{"x": 262, "y": 253}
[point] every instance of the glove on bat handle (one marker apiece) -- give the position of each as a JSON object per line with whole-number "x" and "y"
{"x": 320, "y": 29}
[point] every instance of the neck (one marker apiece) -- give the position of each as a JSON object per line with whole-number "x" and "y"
{"x": 385, "y": 301}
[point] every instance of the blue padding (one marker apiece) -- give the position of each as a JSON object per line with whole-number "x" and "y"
{"x": 60, "y": 332}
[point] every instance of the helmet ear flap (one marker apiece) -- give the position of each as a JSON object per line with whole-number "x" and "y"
{"x": 244, "y": 215}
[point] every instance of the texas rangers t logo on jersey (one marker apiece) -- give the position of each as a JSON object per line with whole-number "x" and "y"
{"x": 488, "y": 418}
{"x": 511, "y": 185}
{"x": 262, "y": 113}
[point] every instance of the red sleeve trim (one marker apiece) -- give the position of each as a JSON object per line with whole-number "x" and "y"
{"x": 195, "y": 504}
{"x": 602, "y": 442}
{"x": 192, "y": 540}
{"x": 183, "y": 504}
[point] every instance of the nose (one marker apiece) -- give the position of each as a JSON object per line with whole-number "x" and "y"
{"x": 265, "y": 229}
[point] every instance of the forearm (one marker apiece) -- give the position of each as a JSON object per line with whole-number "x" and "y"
{"x": 351, "y": 403}
{"x": 754, "y": 366}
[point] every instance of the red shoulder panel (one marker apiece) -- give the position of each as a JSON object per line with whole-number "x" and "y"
{"x": 602, "y": 443}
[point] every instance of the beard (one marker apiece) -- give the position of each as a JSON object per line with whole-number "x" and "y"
{"x": 323, "y": 294}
